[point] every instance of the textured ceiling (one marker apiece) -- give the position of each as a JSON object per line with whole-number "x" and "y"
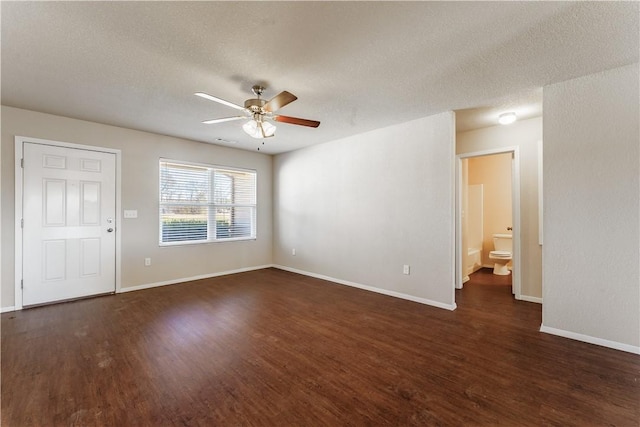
{"x": 355, "y": 66}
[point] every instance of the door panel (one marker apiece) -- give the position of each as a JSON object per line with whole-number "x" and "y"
{"x": 90, "y": 207}
{"x": 90, "y": 257}
{"x": 68, "y": 208}
{"x": 54, "y": 263}
{"x": 54, "y": 202}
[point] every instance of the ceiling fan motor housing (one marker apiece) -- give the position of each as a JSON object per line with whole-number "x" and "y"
{"x": 254, "y": 105}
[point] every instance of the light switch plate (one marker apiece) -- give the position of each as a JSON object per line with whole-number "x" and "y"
{"x": 131, "y": 214}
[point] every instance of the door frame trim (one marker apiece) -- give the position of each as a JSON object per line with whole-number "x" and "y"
{"x": 19, "y": 144}
{"x": 515, "y": 209}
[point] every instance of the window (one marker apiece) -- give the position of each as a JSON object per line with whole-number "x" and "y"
{"x": 202, "y": 203}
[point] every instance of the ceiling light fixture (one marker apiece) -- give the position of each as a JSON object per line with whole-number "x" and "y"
{"x": 507, "y": 118}
{"x": 257, "y": 128}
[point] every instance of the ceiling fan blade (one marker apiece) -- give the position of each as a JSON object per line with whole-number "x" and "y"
{"x": 279, "y": 101}
{"x": 221, "y": 101}
{"x": 296, "y": 121}
{"x": 222, "y": 120}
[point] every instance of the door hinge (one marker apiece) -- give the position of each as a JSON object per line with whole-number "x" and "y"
{"x": 22, "y": 163}
{"x": 21, "y": 284}
{"x": 22, "y": 223}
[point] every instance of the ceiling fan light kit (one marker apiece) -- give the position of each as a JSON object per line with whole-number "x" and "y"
{"x": 259, "y": 111}
{"x": 259, "y": 129}
{"x": 268, "y": 129}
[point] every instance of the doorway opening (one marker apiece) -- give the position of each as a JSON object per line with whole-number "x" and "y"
{"x": 488, "y": 210}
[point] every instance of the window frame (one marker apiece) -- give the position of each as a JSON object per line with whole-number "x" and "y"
{"x": 211, "y": 206}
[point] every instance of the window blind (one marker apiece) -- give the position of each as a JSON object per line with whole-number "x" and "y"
{"x": 204, "y": 203}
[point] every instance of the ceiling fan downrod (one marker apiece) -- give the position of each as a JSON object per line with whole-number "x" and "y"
{"x": 255, "y": 105}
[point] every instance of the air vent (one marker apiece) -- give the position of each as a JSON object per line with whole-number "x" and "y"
{"x": 225, "y": 141}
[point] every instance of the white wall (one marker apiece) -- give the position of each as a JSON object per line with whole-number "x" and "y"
{"x": 524, "y": 134}
{"x": 140, "y": 154}
{"x": 591, "y": 208}
{"x": 359, "y": 208}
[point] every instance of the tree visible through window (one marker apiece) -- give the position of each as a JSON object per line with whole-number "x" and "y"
{"x": 202, "y": 203}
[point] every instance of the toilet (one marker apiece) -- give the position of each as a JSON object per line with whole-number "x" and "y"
{"x": 502, "y": 253}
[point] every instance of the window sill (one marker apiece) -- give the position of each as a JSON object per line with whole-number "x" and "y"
{"x": 204, "y": 242}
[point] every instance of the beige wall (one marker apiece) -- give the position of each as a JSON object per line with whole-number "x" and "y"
{"x": 140, "y": 154}
{"x": 359, "y": 208}
{"x": 524, "y": 134}
{"x": 592, "y": 208}
{"x": 494, "y": 172}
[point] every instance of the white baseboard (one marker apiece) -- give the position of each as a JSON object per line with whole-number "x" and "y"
{"x": 189, "y": 279}
{"x": 591, "y": 340}
{"x": 7, "y": 309}
{"x": 531, "y": 299}
{"x": 369, "y": 288}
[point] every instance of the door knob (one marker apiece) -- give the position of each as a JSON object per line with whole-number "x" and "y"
{"x": 109, "y": 230}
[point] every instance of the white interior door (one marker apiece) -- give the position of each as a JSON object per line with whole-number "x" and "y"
{"x": 69, "y": 244}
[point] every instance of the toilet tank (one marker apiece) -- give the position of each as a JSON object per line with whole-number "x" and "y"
{"x": 503, "y": 242}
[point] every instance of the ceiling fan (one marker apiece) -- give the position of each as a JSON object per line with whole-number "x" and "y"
{"x": 260, "y": 112}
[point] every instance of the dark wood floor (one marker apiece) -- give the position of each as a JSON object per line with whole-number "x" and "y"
{"x": 272, "y": 348}
{"x": 485, "y": 276}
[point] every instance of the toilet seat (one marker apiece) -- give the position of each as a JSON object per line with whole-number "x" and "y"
{"x": 500, "y": 254}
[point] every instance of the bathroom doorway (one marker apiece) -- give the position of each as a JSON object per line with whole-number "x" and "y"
{"x": 487, "y": 204}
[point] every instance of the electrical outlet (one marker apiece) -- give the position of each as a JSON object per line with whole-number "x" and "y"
{"x": 293, "y": 251}
{"x": 147, "y": 262}
{"x": 406, "y": 269}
